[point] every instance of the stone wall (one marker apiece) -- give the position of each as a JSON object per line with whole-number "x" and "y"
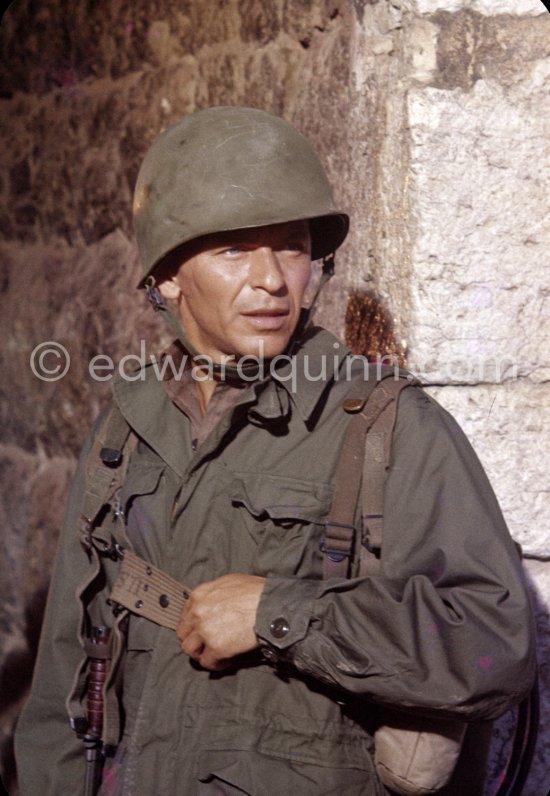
{"x": 432, "y": 119}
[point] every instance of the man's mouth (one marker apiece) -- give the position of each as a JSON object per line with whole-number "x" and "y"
{"x": 268, "y": 319}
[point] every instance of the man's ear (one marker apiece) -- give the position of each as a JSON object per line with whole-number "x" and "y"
{"x": 170, "y": 288}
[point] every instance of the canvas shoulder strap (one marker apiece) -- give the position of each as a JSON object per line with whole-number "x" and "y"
{"x": 105, "y": 468}
{"x": 363, "y": 463}
{"x": 139, "y": 586}
{"x": 104, "y": 473}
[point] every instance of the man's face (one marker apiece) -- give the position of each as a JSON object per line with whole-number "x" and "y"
{"x": 240, "y": 293}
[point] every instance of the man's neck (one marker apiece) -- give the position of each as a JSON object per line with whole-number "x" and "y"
{"x": 205, "y": 390}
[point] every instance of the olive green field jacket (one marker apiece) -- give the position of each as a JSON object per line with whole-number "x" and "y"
{"x": 443, "y": 628}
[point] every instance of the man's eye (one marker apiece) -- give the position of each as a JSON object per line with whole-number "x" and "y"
{"x": 296, "y": 246}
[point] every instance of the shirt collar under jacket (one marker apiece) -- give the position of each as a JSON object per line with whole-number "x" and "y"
{"x": 299, "y": 380}
{"x": 316, "y": 359}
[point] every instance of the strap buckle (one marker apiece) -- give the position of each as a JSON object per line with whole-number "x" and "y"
{"x": 371, "y": 538}
{"x": 154, "y": 294}
{"x": 110, "y": 549}
{"x": 334, "y": 555}
{"x": 337, "y": 554}
{"x": 328, "y": 265}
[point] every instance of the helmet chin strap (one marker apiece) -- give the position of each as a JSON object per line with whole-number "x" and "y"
{"x": 307, "y": 312}
{"x": 249, "y": 369}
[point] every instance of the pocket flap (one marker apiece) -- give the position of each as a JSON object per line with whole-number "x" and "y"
{"x": 142, "y": 479}
{"x": 281, "y": 498}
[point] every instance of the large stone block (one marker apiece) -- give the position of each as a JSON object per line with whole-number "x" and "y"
{"x": 471, "y": 47}
{"x": 489, "y": 7}
{"x": 480, "y": 167}
{"x": 509, "y": 427}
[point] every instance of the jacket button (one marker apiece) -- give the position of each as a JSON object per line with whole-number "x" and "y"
{"x": 353, "y": 405}
{"x": 279, "y": 627}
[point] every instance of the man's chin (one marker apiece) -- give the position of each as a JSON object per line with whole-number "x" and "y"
{"x": 263, "y": 349}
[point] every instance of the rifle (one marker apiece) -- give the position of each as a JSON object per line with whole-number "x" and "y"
{"x": 98, "y": 670}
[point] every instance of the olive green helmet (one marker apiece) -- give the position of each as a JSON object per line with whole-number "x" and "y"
{"x": 230, "y": 168}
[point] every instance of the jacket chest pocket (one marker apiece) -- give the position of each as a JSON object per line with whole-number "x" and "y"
{"x": 144, "y": 506}
{"x": 284, "y": 518}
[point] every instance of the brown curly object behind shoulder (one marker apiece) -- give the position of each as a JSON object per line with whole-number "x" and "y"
{"x": 369, "y": 329}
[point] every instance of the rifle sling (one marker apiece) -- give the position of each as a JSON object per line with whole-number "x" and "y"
{"x": 147, "y": 591}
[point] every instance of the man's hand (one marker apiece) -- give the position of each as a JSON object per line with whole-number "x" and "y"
{"x": 217, "y": 621}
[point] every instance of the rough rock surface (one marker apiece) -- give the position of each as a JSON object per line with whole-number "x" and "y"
{"x": 489, "y": 7}
{"x": 479, "y": 319}
{"x": 430, "y": 116}
{"x": 509, "y": 428}
{"x": 479, "y": 191}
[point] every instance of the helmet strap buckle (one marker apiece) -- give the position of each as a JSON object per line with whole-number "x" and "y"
{"x": 328, "y": 266}
{"x": 154, "y": 294}
{"x": 326, "y": 274}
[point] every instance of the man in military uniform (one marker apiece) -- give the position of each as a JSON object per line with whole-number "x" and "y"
{"x": 269, "y": 683}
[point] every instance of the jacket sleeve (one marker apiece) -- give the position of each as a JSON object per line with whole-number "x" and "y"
{"x": 49, "y": 756}
{"x": 446, "y": 626}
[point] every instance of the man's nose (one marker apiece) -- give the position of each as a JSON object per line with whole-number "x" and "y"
{"x": 266, "y": 271}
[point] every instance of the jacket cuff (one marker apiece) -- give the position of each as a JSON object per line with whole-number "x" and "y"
{"x": 284, "y": 615}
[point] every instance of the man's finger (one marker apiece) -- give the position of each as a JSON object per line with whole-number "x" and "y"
{"x": 209, "y": 661}
{"x": 193, "y": 645}
{"x": 186, "y": 624}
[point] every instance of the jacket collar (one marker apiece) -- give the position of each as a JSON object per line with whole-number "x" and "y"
{"x": 299, "y": 379}
{"x": 313, "y": 366}
{"x": 148, "y": 409}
